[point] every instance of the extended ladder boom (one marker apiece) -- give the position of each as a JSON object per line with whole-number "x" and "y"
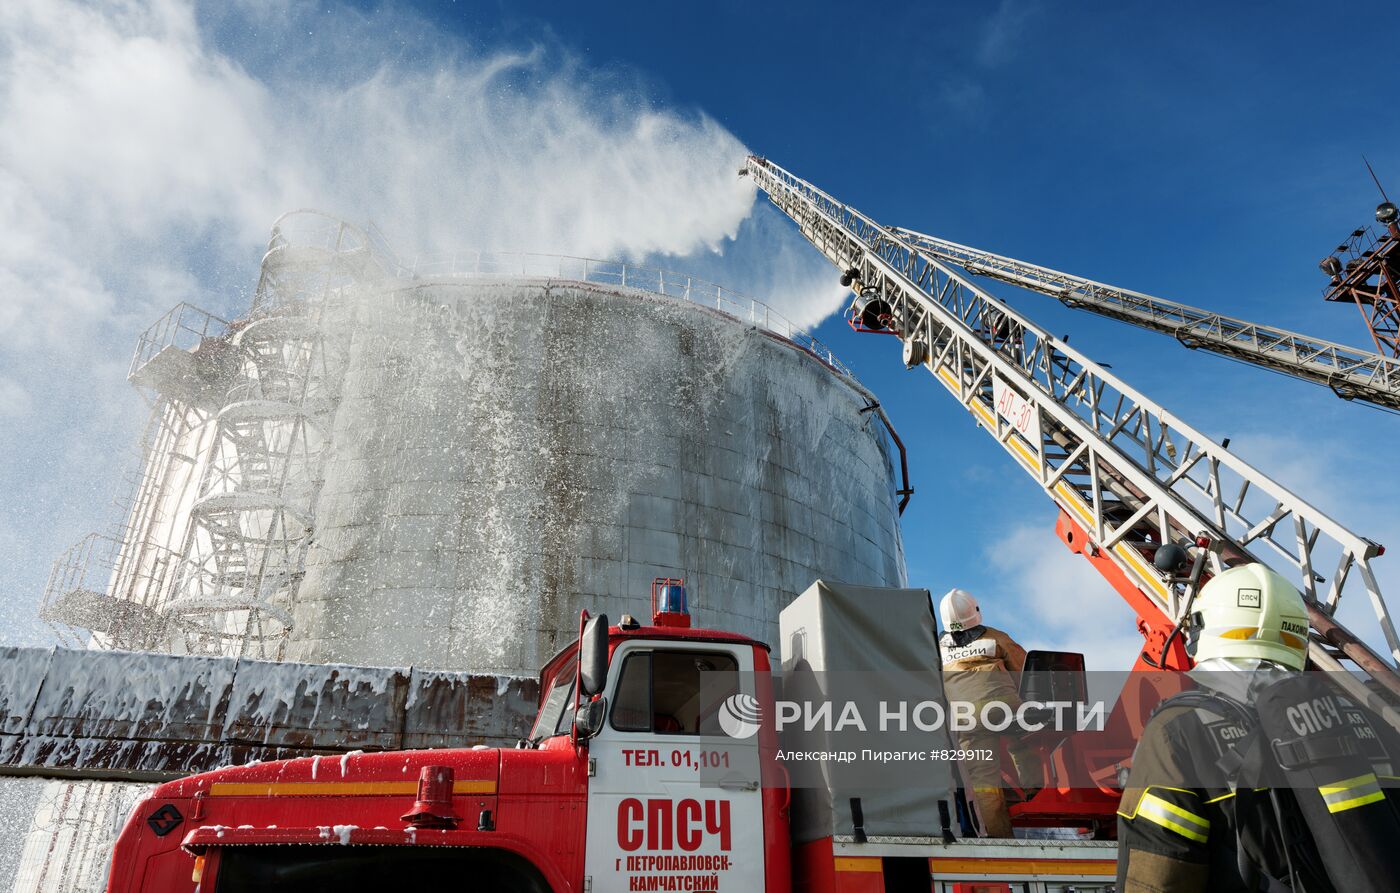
{"x": 1351, "y": 372}
{"x": 1125, "y": 473}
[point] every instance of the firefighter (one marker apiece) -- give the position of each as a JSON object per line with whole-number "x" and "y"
{"x": 981, "y": 664}
{"x": 1261, "y": 777}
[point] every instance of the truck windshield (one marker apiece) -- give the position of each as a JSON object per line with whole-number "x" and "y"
{"x": 554, "y": 714}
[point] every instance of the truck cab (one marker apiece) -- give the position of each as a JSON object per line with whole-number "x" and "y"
{"x": 654, "y": 763}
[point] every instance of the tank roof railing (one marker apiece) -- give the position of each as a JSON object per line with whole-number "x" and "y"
{"x": 311, "y": 226}
{"x": 461, "y": 264}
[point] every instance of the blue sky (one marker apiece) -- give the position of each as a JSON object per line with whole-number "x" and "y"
{"x": 1195, "y": 151}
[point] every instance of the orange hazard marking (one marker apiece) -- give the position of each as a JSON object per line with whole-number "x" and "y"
{"x": 1105, "y": 867}
{"x": 858, "y": 863}
{"x": 336, "y": 788}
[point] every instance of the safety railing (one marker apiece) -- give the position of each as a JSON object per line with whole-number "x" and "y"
{"x": 184, "y": 326}
{"x": 625, "y": 275}
{"x": 111, "y": 586}
{"x": 310, "y": 228}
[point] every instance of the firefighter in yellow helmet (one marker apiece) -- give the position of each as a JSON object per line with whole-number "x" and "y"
{"x": 1262, "y": 777}
{"x": 981, "y": 664}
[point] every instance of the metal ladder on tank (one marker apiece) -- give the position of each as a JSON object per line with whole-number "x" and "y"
{"x": 251, "y": 527}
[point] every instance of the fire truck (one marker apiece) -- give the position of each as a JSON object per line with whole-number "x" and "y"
{"x": 633, "y": 779}
{"x": 640, "y": 773}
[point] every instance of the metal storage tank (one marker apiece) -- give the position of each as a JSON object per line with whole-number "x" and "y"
{"x": 439, "y": 463}
{"x": 506, "y": 452}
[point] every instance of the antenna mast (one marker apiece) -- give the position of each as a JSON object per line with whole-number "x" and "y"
{"x": 1365, "y": 270}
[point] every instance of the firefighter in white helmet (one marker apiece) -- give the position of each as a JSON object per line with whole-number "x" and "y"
{"x": 982, "y": 664}
{"x": 1261, "y": 777}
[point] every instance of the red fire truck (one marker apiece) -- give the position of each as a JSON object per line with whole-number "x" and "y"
{"x": 631, "y": 779}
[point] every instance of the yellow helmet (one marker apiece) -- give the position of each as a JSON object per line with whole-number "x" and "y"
{"x": 1250, "y": 611}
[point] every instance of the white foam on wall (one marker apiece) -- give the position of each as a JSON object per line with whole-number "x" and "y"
{"x": 506, "y": 453}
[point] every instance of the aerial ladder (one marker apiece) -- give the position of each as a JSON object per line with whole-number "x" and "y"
{"x": 1128, "y": 477}
{"x": 1351, "y": 373}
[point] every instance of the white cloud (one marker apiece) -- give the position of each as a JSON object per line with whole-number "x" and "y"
{"x": 1049, "y": 598}
{"x": 963, "y": 95}
{"x": 116, "y": 114}
{"x": 1336, "y": 471}
{"x": 1003, "y": 29}
{"x": 14, "y": 399}
{"x": 120, "y": 139}
{"x": 994, "y": 43}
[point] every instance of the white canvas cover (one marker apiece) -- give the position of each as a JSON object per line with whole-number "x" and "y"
{"x": 833, "y": 637}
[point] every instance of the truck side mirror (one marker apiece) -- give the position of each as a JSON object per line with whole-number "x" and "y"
{"x": 593, "y": 656}
{"x": 588, "y": 719}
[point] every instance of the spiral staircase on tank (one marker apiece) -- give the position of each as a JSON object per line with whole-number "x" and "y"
{"x": 251, "y": 524}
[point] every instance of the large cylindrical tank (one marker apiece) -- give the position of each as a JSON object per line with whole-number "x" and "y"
{"x": 504, "y": 452}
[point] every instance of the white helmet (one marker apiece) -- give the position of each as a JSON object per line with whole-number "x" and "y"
{"x": 1249, "y": 611}
{"x": 959, "y": 610}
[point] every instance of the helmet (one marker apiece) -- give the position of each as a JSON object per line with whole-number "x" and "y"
{"x": 1250, "y": 612}
{"x": 959, "y": 610}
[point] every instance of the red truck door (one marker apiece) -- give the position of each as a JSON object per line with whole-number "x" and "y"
{"x": 675, "y": 795}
